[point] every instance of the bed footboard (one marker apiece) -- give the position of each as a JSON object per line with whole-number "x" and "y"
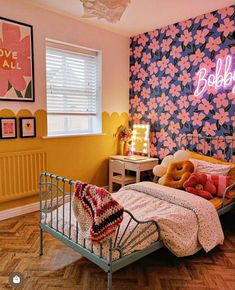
{"x": 123, "y": 248}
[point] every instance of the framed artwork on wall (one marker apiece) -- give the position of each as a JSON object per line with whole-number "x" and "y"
{"x": 8, "y": 128}
{"x": 28, "y": 127}
{"x": 16, "y": 61}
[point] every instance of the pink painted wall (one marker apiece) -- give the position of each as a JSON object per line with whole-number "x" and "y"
{"x": 46, "y": 24}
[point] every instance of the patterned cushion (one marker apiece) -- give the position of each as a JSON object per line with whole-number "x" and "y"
{"x": 210, "y": 168}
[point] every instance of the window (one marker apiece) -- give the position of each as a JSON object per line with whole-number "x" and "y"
{"x": 73, "y": 89}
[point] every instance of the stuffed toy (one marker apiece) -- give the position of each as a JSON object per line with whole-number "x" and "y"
{"x": 174, "y": 169}
{"x": 199, "y": 184}
{"x": 177, "y": 173}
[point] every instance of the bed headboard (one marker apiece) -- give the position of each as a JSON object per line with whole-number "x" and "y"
{"x": 222, "y": 147}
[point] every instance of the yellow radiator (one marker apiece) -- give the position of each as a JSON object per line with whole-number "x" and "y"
{"x": 19, "y": 173}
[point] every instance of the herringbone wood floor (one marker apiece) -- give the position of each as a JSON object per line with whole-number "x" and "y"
{"x": 62, "y": 268}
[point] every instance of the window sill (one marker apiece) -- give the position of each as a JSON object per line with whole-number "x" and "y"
{"x": 74, "y": 136}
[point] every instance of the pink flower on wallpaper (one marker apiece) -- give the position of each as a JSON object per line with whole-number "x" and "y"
{"x": 166, "y": 44}
{"x": 153, "y": 34}
{"x": 197, "y": 119}
{"x": 184, "y": 62}
{"x": 194, "y": 100}
{"x": 135, "y": 101}
{"x": 142, "y": 39}
{"x": 163, "y": 63}
{"x": 200, "y": 36}
{"x": 152, "y": 137}
{"x": 161, "y": 136}
{"x": 204, "y": 147}
{"x": 205, "y": 106}
{"x": 142, "y": 74}
{"x": 146, "y": 58}
{"x": 172, "y": 31}
{"x": 213, "y": 44}
{"x": 197, "y": 56}
{"x": 209, "y": 20}
{"x": 154, "y": 45}
{"x": 153, "y": 68}
{"x": 181, "y": 140}
{"x": 12, "y": 40}
{"x": 221, "y": 100}
{"x": 152, "y": 103}
{"x": 153, "y": 81}
{"x": 185, "y": 78}
{"x": 136, "y": 118}
{"x": 163, "y": 152}
{"x": 165, "y": 82}
{"x": 164, "y": 117}
{"x": 176, "y": 51}
{"x": 185, "y": 24}
{"x": 186, "y": 37}
{"x": 137, "y": 85}
{"x": 219, "y": 155}
{"x": 227, "y": 11}
{"x": 174, "y": 127}
{"x": 222, "y": 116}
{"x": 223, "y": 53}
{"x": 207, "y": 63}
{"x": 231, "y": 97}
{"x": 171, "y": 70}
{"x": 169, "y": 143}
{"x": 138, "y": 51}
{"x": 175, "y": 90}
{"x": 152, "y": 116}
{"x": 209, "y": 129}
{"x": 183, "y": 116}
{"x": 135, "y": 68}
{"x": 227, "y": 27}
{"x": 170, "y": 107}
{"x": 142, "y": 108}
{"x": 211, "y": 90}
{"x": 162, "y": 100}
{"x": 182, "y": 102}
{"x": 195, "y": 139}
{"x": 219, "y": 143}
{"x": 145, "y": 93}
{"x": 198, "y": 18}
{"x": 153, "y": 150}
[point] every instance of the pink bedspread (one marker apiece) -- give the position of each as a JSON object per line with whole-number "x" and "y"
{"x": 187, "y": 222}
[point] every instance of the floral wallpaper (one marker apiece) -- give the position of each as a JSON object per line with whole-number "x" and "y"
{"x": 163, "y": 76}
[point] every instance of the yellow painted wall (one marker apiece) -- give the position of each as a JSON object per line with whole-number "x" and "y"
{"x": 84, "y": 157}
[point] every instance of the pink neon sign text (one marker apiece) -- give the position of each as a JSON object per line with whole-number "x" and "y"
{"x": 218, "y": 79}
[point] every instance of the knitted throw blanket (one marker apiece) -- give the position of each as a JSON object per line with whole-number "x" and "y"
{"x": 97, "y": 213}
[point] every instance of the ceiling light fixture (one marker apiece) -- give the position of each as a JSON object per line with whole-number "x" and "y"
{"x": 111, "y": 10}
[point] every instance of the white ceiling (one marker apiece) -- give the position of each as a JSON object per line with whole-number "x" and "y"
{"x": 140, "y": 15}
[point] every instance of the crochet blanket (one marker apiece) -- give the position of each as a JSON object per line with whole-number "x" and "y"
{"x": 97, "y": 213}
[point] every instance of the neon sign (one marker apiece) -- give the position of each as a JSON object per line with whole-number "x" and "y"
{"x": 217, "y": 80}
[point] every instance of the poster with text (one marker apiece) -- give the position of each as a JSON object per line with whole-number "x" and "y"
{"x": 16, "y": 61}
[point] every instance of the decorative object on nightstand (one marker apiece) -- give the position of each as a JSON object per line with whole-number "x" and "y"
{"x": 124, "y": 135}
{"x": 140, "y": 139}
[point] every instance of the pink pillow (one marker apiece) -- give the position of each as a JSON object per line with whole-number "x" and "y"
{"x": 221, "y": 182}
{"x": 205, "y": 167}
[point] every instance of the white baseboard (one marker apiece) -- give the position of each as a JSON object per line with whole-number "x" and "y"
{"x": 14, "y": 212}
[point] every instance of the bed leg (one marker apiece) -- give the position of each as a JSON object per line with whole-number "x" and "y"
{"x": 109, "y": 280}
{"x": 41, "y": 241}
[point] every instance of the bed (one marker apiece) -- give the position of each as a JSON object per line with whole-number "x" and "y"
{"x": 145, "y": 227}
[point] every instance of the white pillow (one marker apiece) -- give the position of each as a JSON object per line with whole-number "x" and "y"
{"x": 210, "y": 168}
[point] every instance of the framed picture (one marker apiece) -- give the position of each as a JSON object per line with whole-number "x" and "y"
{"x": 16, "y": 61}
{"x": 28, "y": 127}
{"x": 8, "y": 128}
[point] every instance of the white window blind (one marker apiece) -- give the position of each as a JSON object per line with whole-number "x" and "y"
{"x": 73, "y": 89}
{"x": 71, "y": 82}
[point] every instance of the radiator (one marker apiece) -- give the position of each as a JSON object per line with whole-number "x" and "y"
{"x": 19, "y": 173}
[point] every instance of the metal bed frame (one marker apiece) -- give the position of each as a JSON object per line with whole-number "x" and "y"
{"x": 55, "y": 191}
